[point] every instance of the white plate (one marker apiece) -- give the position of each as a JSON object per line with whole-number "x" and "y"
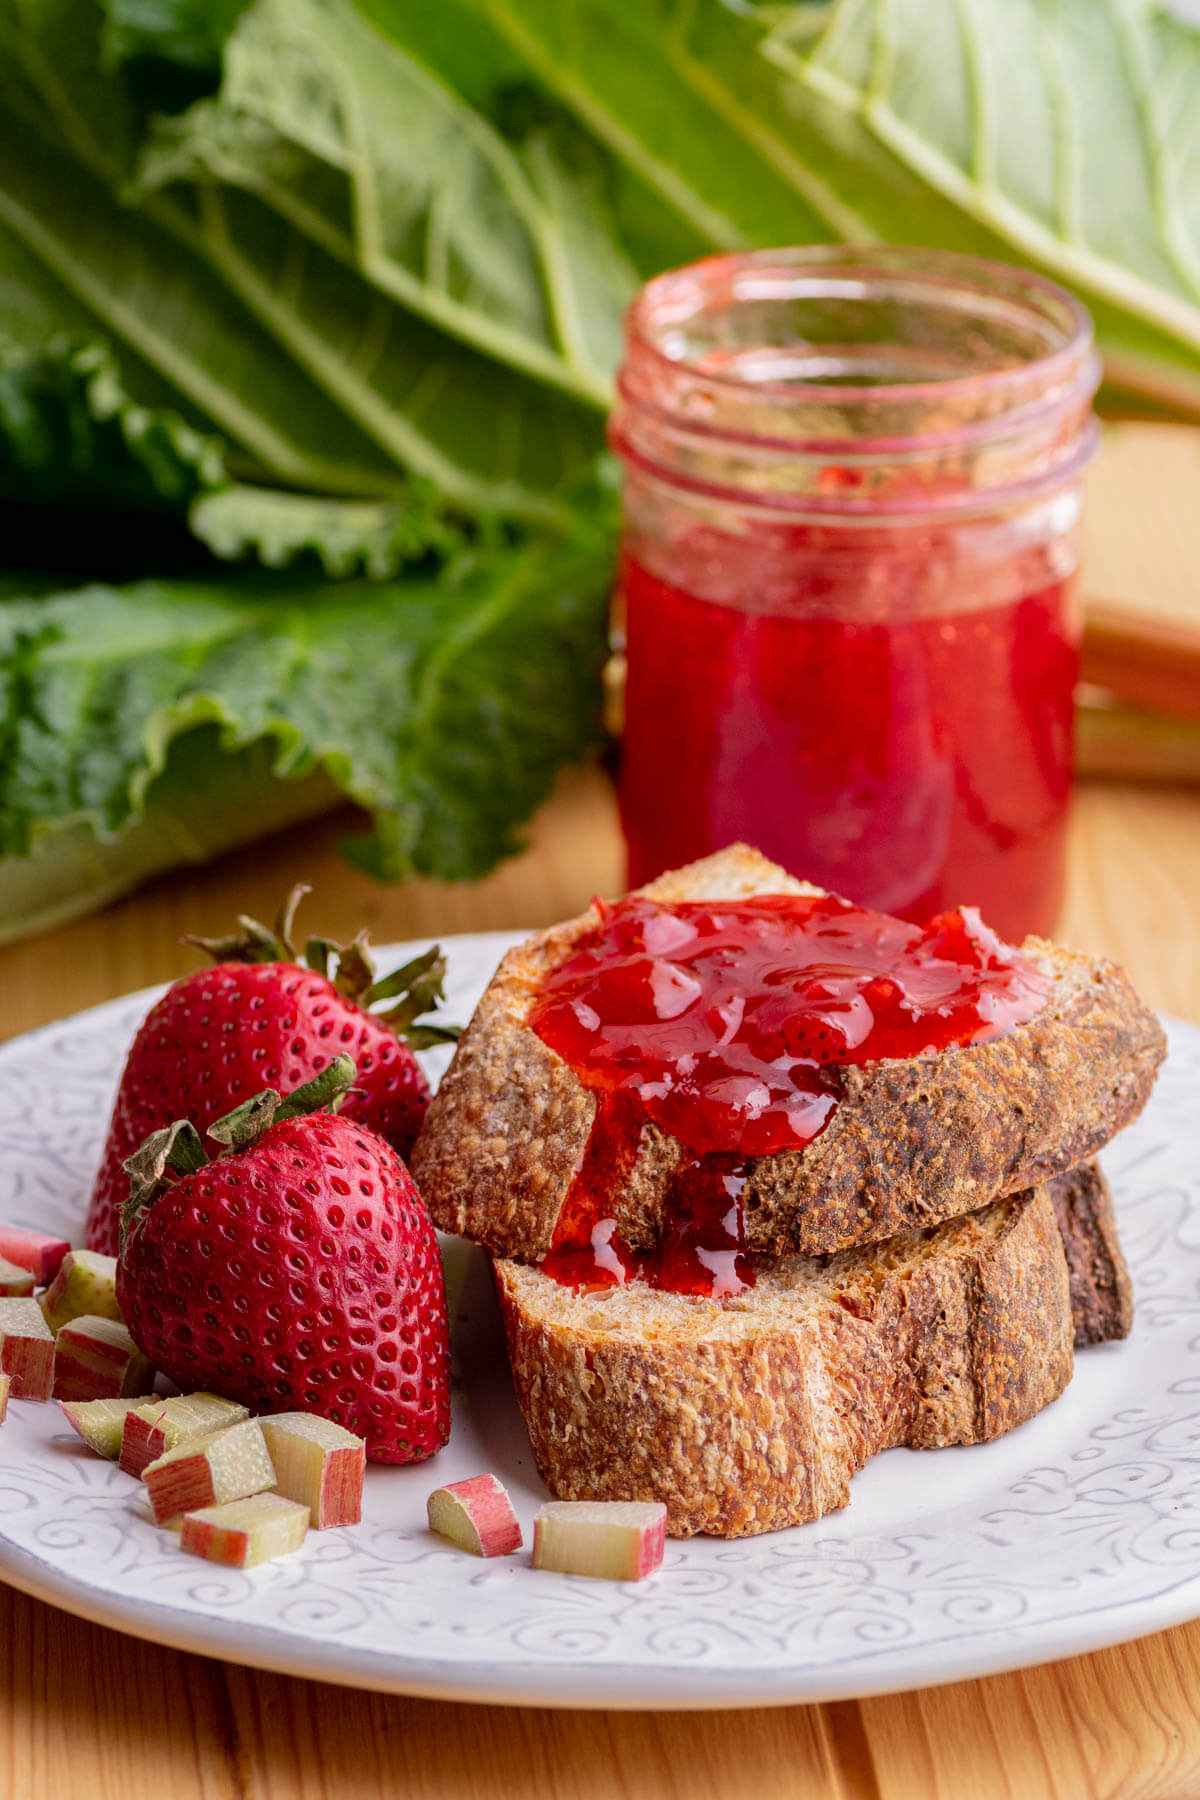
{"x": 1077, "y": 1531}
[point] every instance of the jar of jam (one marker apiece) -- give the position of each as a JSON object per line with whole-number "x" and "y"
{"x": 853, "y": 489}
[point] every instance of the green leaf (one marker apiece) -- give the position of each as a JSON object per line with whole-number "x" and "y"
{"x": 220, "y": 305}
{"x": 278, "y": 529}
{"x": 487, "y": 70}
{"x": 69, "y": 431}
{"x": 205, "y": 800}
{"x": 188, "y": 35}
{"x": 443, "y": 705}
{"x": 71, "y": 436}
{"x": 75, "y": 261}
{"x": 1065, "y": 136}
{"x": 673, "y": 88}
{"x": 369, "y": 156}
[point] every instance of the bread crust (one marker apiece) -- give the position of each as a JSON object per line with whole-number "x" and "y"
{"x": 912, "y": 1141}
{"x": 753, "y": 1414}
{"x": 1101, "y": 1291}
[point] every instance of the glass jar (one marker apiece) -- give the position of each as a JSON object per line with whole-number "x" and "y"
{"x": 853, "y": 488}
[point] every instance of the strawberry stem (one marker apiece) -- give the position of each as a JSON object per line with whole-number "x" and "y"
{"x": 255, "y": 942}
{"x": 175, "y": 1147}
{"x": 317, "y": 952}
{"x": 238, "y": 1129}
{"x": 247, "y": 1122}
{"x": 418, "y": 985}
{"x": 285, "y": 923}
{"x": 324, "y": 1093}
{"x": 355, "y": 970}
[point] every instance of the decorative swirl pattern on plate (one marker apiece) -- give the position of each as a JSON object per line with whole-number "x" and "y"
{"x": 1080, "y": 1528}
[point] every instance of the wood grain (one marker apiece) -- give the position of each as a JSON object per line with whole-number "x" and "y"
{"x": 86, "y": 1712}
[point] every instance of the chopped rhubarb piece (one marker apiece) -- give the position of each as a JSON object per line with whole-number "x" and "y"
{"x": 319, "y": 1464}
{"x": 99, "y": 1423}
{"x": 163, "y": 1425}
{"x": 477, "y": 1515}
{"x": 16, "y": 1283}
{"x": 245, "y": 1532}
{"x": 85, "y": 1286}
{"x": 5, "y": 1384}
{"x": 618, "y": 1540}
{"x": 26, "y": 1349}
{"x": 34, "y": 1251}
{"x": 96, "y": 1359}
{"x": 208, "y": 1471}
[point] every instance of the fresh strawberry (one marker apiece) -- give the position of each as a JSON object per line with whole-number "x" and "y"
{"x": 261, "y": 1018}
{"x": 299, "y": 1271}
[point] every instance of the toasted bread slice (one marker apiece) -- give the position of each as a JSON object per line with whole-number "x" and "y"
{"x": 749, "y": 1414}
{"x": 911, "y": 1142}
{"x": 1101, "y": 1291}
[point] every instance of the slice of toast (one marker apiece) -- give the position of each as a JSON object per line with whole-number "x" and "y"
{"x": 912, "y": 1141}
{"x": 753, "y": 1413}
{"x": 1101, "y": 1291}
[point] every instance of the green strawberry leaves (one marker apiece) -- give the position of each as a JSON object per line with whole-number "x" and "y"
{"x": 177, "y": 1150}
{"x": 419, "y": 986}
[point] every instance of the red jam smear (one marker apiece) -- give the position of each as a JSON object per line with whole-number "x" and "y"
{"x": 821, "y": 709}
{"x": 720, "y": 1023}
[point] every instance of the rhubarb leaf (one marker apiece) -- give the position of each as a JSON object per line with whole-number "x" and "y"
{"x": 204, "y": 800}
{"x": 691, "y": 127}
{"x": 72, "y": 440}
{"x": 443, "y": 704}
{"x": 218, "y": 302}
{"x": 366, "y": 154}
{"x": 74, "y": 261}
{"x": 69, "y": 431}
{"x": 169, "y": 38}
{"x": 345, "y": 537}
{"x": 1065, "y": 136}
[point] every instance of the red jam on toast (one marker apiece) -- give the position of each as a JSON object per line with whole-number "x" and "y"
{"x": 718, "y": 1022}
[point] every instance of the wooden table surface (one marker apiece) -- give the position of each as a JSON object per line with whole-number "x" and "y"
{"x": 85, "y": 1712}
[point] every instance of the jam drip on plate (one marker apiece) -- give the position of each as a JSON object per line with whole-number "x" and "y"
{"x": 722, "y": 1024}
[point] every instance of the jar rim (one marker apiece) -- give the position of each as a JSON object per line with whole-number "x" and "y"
{"x": 940, "y": 270}
{"x": 919, "y": 510}
{"x": 979, "y": 431}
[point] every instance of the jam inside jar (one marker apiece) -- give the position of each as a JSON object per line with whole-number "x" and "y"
{"x": 721, "y": 1022}
{"x": 853, "y": 485}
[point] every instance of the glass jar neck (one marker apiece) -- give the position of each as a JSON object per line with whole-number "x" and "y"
{"x": 860, "y": 383}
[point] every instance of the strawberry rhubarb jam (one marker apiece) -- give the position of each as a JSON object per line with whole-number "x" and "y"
{"x": 853, "y": 482}
{"x": 904, "y": 757}
{"x": 724, "y": 1023}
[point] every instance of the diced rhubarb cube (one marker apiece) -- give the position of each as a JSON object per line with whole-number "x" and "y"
{"x": 16, "y": 1283}
{"x": 245, "y": 1532}
{"x": 85, "y": 1286}
{"x": 34, "y": 1251}
{"x": 26, "y": 1349}
{"x": 96, "y": 1359}
{"x": 99, "y": 1422}
{"x": 618, "y": 1540}
{"x": 163, "y": 1425}
{"x": 477, "y": 1515}
{"x": 225, "y": 1465}
{"x": 5, "y": 1384}
{"x": 319, "y": 1464}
